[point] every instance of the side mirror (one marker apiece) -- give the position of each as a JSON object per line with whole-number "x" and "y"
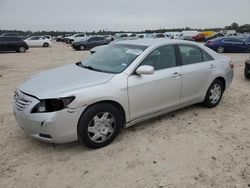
{"x": 145, "y": 69}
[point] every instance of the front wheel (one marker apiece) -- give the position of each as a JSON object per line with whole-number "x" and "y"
{"x": 99, "y": 125}
{"x": 214, "y": 94}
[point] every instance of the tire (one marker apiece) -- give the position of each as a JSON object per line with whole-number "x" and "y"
{"x": 81, "y": 47}
{"x": 214, "y": 94}
{"x": 21, "y": 49}
{"x": 46, "y": 45}
{"x": 247, "y": 70}
{"x": 220, "y": 49}
{"x": 99, "y": 125}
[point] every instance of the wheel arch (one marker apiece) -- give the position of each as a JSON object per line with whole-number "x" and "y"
{"x": 223, "y": 80}
{"x": 114, "y": 103}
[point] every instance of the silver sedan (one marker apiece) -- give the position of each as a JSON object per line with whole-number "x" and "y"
{"x": 120, "y": 85}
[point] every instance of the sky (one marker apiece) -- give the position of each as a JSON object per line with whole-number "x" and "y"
{"x": 117, "y": 15}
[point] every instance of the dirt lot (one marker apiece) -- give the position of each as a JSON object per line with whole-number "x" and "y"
{"x": 194, "y": 147}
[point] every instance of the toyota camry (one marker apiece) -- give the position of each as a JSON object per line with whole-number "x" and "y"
{"x": 118, "y": 86}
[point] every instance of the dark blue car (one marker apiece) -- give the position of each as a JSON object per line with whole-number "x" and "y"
{"x": 229, "y": 44}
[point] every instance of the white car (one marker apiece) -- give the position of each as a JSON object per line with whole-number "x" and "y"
{"x": 187, "y": 34}
{"x": 75, "y": 38}
{"x": 172, "y": 35}
{"x": 38, "y": 41}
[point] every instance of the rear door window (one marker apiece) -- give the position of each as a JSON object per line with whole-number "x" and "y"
{"x": 190, "y": 54}
{"x": 206, "y": 56}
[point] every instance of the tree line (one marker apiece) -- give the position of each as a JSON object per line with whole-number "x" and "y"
{"x": 233, "y": 26}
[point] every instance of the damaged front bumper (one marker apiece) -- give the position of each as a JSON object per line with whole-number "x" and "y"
{"x": 54, "y": 127}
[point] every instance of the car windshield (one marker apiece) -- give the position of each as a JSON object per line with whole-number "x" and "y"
{"x": 113, "y": 58}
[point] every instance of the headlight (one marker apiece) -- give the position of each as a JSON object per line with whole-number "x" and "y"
{"x": 52, "y": 105}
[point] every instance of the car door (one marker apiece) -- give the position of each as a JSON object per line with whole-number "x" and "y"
{"x": 32, "y": 41}
{"x": 197, "y": 70}
{"x": 40, "y": 41}
{"x": 102, "y": 41}
{"x": 240, "y": 45}
{"x": 161, "y": 90}
{"x": 2, "y": 44}
{"x": 12, "y": 43}
{"x": 8, "y": 44}
{"x": 234, "y": 45}
{"x": 93, "y": 42}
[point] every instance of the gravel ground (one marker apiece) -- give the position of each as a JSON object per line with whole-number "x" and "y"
{"x": 193, "y": 147}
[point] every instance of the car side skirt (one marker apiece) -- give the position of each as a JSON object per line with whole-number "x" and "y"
{"x": 162, "y": 112}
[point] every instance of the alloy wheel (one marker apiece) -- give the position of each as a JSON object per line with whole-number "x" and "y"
{"x": 220, "y": 49}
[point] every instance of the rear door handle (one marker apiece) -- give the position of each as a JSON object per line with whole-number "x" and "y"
{"x": 212, "y": 66}
{"x": 176, "y": 74}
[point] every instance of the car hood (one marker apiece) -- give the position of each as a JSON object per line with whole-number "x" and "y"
{"x": 57, "y": 82}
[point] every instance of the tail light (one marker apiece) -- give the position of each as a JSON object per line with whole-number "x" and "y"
{"x": 210, "y": 42}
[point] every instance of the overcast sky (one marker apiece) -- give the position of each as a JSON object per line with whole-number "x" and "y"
{"x": 134, "y": 15}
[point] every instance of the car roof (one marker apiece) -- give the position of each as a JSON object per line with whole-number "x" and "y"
{"x": 152, "y": 42}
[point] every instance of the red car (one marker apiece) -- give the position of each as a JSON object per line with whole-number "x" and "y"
{"x": 199, "y": 37}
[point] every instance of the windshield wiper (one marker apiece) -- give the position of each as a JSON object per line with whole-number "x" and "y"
{"x": 88, "y": 67}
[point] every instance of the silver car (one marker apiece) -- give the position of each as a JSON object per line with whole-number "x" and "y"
{"x": 120, "y": 85}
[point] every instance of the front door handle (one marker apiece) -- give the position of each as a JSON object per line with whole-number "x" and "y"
{"x": 176, "y": 75}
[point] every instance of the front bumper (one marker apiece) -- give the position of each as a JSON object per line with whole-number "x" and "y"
{"x": 54, "y": 127}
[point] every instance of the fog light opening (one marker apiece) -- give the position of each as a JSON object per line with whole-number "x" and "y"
{"x": 45, "y": 136}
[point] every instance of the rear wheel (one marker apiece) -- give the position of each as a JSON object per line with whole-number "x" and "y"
{"x": 220, "y": 49}
{"x": 21, "y": 49}
{"x": 214, "y": 94}
{"x": 46, "y": 45}
{"x": 99, "y": 125}
{"x": 82, "y": 47}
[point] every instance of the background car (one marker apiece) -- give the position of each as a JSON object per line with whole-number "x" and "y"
{"x": 9, "y": 35}
{"x": 97, "y": 48}
{"x": 187, "y": 35}
{"x": 38, "y": 41}
{"x": 200, "y": 37}
{"x": 65, "y": 37}
{"x": 247, "y": 69}
{"x": 13, "y": 44}
{"x": 89, "y": 42}
{"x": 217, "y": 35}
{"x": 172, "y": 35}
{"x": 229, "y": 44}
{"x": 156, "y": 35}
{"x": 48, "y": 37}
{"x": 75, "y": 38}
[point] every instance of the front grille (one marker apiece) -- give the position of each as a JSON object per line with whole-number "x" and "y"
{"x": 21, "y": 103}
